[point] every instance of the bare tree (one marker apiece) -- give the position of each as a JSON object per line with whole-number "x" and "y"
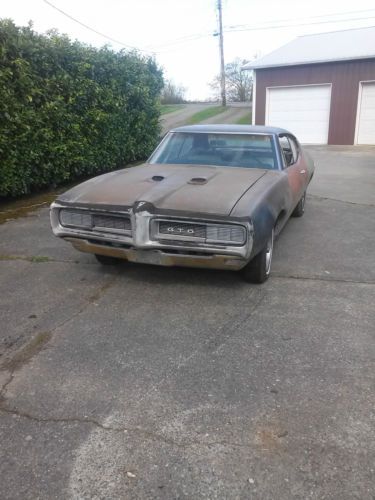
{"x": 172, "y": 93}
{"x": 239, "y": 84}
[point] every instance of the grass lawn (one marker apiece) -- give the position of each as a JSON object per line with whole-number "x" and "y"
{"x": 245, "y": 119}
{"x": 169, "y": 108}
{"x": 206, "y": 113}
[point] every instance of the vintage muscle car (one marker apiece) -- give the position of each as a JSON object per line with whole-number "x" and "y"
{"x": 210, "y": 196}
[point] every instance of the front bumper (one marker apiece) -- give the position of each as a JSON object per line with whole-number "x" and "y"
{"x": 140, "y": 248}
{"x": 160, "y": 257}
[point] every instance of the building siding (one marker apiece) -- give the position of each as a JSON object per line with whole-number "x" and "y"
{"x": 344, "y": 77}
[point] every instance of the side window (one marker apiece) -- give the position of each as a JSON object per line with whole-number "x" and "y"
{"x": 289, "y": 149}
{"x": 294, "y": 148}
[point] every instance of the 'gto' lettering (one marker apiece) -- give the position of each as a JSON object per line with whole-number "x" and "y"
{"x": 180, "y": 230}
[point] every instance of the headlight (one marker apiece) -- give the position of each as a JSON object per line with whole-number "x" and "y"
{"x": 75, "y": 218}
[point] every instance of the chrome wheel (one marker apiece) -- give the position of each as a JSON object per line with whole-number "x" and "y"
{"x": 269, "y": 250}
{"x": 259, "y": 268}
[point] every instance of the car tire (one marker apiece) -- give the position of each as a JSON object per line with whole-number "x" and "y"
{"x": 259, "y": 268}
{"x": 300, "y": 207}
{"x": 105, "y": 260}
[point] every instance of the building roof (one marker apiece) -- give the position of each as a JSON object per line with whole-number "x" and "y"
{"x": 321, "y": 47}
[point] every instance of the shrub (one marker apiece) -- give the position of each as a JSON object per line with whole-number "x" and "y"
{"x": 69, "y": 110}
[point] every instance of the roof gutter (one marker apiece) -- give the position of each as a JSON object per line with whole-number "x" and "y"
{"x": 248, "y": 67}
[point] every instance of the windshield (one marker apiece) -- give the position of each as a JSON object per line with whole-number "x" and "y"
{"x": 222, "y": 150}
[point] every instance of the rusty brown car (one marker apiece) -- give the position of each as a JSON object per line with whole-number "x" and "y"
{"x": 210, "y": 196}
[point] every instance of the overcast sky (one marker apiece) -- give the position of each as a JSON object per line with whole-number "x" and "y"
{"x": 180, "y": 32}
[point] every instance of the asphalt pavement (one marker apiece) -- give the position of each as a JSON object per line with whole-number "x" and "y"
{"x": 182, "y": 115}
{"x": 139, "y": 382}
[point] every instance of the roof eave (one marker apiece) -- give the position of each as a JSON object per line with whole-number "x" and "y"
{"x": 306, "y": 63}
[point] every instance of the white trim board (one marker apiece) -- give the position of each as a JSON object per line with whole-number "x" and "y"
{"x": 364, "y": 136}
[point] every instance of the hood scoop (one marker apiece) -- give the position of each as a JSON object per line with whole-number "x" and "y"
{"x": 198, "y": 180}
{"x": 158, "y": 178}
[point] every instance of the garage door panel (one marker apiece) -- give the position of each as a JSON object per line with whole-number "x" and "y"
{"x": 303, "y": 110}
{"x": 366, "y": 114}
{"x": 307, "y": 129}
{"x": 298, "y": 115}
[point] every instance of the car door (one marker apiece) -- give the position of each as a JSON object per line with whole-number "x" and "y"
{"x": 294, "y": 167}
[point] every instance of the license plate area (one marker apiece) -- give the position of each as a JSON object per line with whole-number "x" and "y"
{"x": 147, "y": 257}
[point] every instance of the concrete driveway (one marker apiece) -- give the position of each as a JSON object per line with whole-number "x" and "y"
{"x": 145, "y": 382}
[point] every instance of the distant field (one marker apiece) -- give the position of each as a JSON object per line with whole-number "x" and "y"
{"x": 245, "y": 119}
{"x": 169, "y": 108}
{"x": 206, "y": 113}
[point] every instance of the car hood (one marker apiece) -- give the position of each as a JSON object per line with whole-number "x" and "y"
{"x": 191, "y": 188}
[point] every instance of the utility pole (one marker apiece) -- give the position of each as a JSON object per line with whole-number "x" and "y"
{"x": 221, "y": 46}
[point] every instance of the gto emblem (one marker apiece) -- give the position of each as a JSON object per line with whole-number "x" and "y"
{"x": 180, "y": 230}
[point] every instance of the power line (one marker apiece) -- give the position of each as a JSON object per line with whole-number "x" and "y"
{"x": 228, "y": 29}
{"x": 309, "y": 17}
{"x": 94, "y": 30}
{"x": 185, "y": 39}
{"x": 255, "y": 28}
{"x": 232, "y": 29}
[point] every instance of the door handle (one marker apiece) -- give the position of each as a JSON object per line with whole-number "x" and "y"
{"x": 302, "y": 171}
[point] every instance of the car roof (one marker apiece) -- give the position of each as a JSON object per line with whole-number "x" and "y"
{"x": 237, "y": 129}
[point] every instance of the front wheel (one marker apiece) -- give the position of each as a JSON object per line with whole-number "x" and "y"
{"x": 259, "y": 268}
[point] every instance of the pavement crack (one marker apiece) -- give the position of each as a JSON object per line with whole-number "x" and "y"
{"x": 320, "y": 278}
{"x": 33, "y": 258}
{"x": 37, "y": 342}
{"x": 88, "y": 421}
{"x": 211, "y": 345}
{"x": 26, "y": 352}
{"x": 5, "y": 386}
{"x": 230, "y": 327}
{"x": 150, "y": 435}
{"x": 326, "y": 198}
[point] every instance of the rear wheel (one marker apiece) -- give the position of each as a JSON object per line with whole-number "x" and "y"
{"x": 105, "y": 260}
{"x": 300, "y": 207}
{"x": 259, "y": 268}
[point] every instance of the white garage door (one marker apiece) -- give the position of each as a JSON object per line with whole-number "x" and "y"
{"x": 366, "y": 114}
{"x": 303, "y": 110}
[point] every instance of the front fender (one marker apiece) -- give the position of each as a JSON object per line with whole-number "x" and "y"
{"x": 268, "y": 202}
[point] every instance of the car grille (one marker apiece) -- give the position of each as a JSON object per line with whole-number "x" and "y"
{"x": 205, "y": 232}
{"x": 95, "y": 221}
{"x": 190, "y": 230}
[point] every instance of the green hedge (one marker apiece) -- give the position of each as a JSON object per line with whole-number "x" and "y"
{"x": 69, "y": 110}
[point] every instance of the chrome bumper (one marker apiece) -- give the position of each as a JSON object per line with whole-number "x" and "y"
{"x": 159, "y": 257}
{"x": 140, "y": 248}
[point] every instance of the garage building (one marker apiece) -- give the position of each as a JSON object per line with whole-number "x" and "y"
{"x": 320, "y": 87}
